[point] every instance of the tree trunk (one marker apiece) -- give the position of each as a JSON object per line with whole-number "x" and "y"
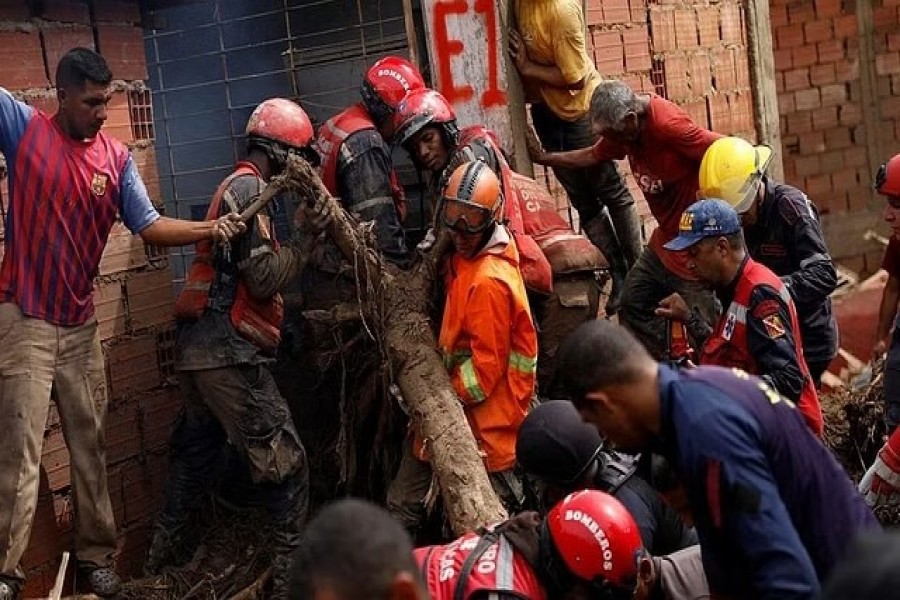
{"x": 435, "y": 410}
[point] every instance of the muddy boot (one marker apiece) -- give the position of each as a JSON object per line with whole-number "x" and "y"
{"x": 160, "y": 554}
{"x": 281, "y": 577}
{"x": 9, "y": 588}
{"x": 103, "y": 581}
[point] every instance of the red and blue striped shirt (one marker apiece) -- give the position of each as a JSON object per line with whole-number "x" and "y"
{"x": 64, "y": 197}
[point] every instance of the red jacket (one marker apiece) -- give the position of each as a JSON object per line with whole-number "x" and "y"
{"x": 497, "y": 567}
{"x": 728, "y": 346}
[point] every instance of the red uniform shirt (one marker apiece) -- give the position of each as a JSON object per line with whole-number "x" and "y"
{"x": 666, "y": 165}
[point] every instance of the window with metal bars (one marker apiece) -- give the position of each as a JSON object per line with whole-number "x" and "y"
{"x": 165, "y": 355}
{"x": 141, "y": 110}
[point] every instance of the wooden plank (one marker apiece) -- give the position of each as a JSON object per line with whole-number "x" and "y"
{"x": 762, "y": 74}
{"x": 516, "y": 97}
{"x": 409, "y": 22}
{"x": 869, "y": 91}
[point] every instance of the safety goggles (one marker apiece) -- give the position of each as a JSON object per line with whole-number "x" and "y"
{"x": 880, "y": 180}
{"x": 464, "y": 217}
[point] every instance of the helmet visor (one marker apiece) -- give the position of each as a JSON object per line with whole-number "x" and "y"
{"x": 739, "y": 192}
{"x": 465, "y": 217}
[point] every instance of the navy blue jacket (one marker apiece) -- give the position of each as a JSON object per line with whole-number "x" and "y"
{"x": 773, "y": 508}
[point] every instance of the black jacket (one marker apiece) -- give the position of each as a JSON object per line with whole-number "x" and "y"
{"x": 788, "y": 239}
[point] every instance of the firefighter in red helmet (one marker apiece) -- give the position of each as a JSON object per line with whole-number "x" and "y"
{"x": 588, "y": 545}
{"x": 356, "y": 161}
{"x": 229, "y": 317}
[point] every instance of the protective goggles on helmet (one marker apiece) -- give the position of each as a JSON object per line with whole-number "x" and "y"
{"x": 880, "y": 180}
{"x": 464, "y": 217}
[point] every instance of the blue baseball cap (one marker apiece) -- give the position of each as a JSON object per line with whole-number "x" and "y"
{"x": 703, "y": 219}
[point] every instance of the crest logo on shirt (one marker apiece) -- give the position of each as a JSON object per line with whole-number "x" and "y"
{"x": 728, "y": 330}
{"x": 98, "y": 184}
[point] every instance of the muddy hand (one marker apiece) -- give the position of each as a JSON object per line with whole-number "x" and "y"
{"x": 673, "y": 307}
{"x": 228, "y": 227}
{"x": 517, "y": 51}
{"x": 535, "y": 149}
{"x": 320, "y": 213}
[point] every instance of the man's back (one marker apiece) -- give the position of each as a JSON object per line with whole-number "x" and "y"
{"x": 773, "y": 508}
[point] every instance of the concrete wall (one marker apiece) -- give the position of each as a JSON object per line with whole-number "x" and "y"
{"x": 133, "y": 290}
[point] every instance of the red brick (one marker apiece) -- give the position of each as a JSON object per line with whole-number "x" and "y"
{"x": 698, "y": 111}
{"x": 859, "y": 134}
{"x": 593, "y": 16}
{"x": 778, "y": 15}
{"x": 137, "y": 492}
{"x": 784, "y": 59}
{"x": 109, "y": 303}
{"x": 638, "y": 11}
{"x": 893, "y": 42}
{"x": 708, "y": 25}
{"x": 719, "y": 113}
{"x": 846, "y": 70}
{"x": 676, "y": 76}
{"x": 786, "y": 103}
{"x": 812, "y": 142}
{"x": 808, "y": 99}
{"x": 846, "y": 26}
{"x": 831, "y": 161}
{"x": 807, "y": 165}
{"x": 849, "y": 114}
{"x": 59, "y": 40}
{"x": 67, "y": 11}
{"x": 885, "y": 64}
{"x": 741, "y": 105}
{"x": 686, "y": 35}
{"x": 831, "y": 51}
{"x": 790, "y": 36}
{"x": 118, "y": 118}
{"x": 833, "y": 94}
{"x": 124, "y": 251}
{"x": 662, "y": 24}
{"x": 838, "y": 138}
{"x": 723, "y": 69}
{"x": 608, "y": 52}
{"x": 732, "y": 29}
{"x": 801, "y": 12}
{"x": 804, "y": 56}
{"x": 132, "y": 365}
{"x": 616, "y": 11}
{"x": 821, "y": 74}
{"x": 817, "y": 185}
{"x": 741, "y": 68}
{"x": 124, "y": 428}
{"x": 150, "y": 296}
{"x": 123, "y": 48}
{"x": 13, "y": 10}
{"x": 818, "y": 31}
{"x": 844, "y": 179}
{"x": 145, "y": 161}
{"x": 636, "y": 42}
{"x": 22, "y": 49}
{"x": 120, "y": 11}
{"x": 796, "y": 79}
{"x": 798, "y": 122}
{"x": 825, "y": 117}
{"x": 44, "y": 102}
{"x": 55, "y": 461}
{"x": 701, "y": 74}
{"x": 160, "y": 409}
{"x": 50, "y": 534}
{"x": 828, "y": 8}
{"x": 856, "y": 156}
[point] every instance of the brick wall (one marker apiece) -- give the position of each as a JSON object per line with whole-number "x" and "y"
{"x": 829, "y": 149}
{"x": 133, "y": 290}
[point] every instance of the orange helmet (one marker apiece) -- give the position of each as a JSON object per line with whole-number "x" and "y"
{"x": 421, "y": 108}
{"x": 278, "y": 126}
{"x": 597, "y": 541}
{"x": 887, "y": 181}
{"x": 472, "y": 199}
{"x": 387, "y": 83}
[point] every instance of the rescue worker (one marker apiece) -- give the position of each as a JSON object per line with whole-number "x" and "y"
{"x": 664, "y": 147}
{"x": 772, "y": 507}
{"x": 427, "y": 129}
{"x": 68, "y": 180}
{"x": 229, "y": 315}
{"x": 356, "y": 160}
{"x": 782, "y": 232}
{"x": 588, "y": 546}
{"x": 887, "y": 183}
{"x": 759, "y": 330}
{"x": 881, "y": 483}
{"x": 487, "y": 339}
{"x": 548, "y": 50}
{"x": 562, "y": 454}
{"x": 351, "y": 550}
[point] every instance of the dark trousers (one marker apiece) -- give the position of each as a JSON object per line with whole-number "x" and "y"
{"x": 616, "y": 230}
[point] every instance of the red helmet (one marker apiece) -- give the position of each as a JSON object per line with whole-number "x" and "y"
{"x": 596, "y": 538}
{"x": 887, "y": 181}
{"x": 387, "y": 83}
{"x": 425, "y": 107}
{"x": 283, "y": 121}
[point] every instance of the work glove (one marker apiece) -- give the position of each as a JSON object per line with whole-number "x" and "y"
{"x": 228, "y": 227}
{"x": 319, "y": 215}
{"x": 880, "y": 485}
{"x": 428, "y": 241}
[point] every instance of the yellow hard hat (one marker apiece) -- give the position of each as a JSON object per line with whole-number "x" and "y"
{"x": 732, "y": 170}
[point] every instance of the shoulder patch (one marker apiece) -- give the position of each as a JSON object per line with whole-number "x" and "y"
{"x": 774, "y": 326}
{"x": 766, "y": 308}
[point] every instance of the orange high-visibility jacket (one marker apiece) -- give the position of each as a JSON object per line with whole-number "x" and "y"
{"x": 489, "y": 346}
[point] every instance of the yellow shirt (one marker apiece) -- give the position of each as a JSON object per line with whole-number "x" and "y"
{"x": 553, "y": 31}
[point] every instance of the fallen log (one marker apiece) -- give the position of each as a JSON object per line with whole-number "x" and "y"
{"x": 434, "y": 408}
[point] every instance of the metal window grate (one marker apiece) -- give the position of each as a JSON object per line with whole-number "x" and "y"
{"x": 141, "y": 110}
{"x": 658, "y": 77}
